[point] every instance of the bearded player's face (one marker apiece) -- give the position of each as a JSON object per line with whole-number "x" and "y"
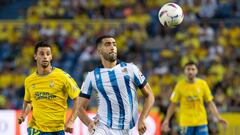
{"x": 191, "y": 71}
{"x": 108, "y": 49}
{"x": 43, "y": 56}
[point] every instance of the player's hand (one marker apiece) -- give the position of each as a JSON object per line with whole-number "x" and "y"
{"x": 223, "y": 122}
{"x": 165, "y": 126}
{"x": 91, "y": 127}
{"x": 141, "y": 126}
{"x": 21, "y": 119}
{"x": 69, "y": 127}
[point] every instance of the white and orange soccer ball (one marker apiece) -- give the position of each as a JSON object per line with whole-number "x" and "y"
{"x": 170, "y": 15}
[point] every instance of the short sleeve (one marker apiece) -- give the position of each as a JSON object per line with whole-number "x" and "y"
{"x": 71, "y": 87}
{"x": 27, "y": 97}
{"x": 86, "y": 89}
{"x": 175, "y": 97}
{"x": 138, "y": 77}
{"x": 207, "y": 93}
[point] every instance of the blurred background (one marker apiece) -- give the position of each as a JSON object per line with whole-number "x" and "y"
{"x": 209, "y": 35}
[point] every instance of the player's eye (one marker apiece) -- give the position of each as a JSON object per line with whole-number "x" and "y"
{"x": 107, "y": 44}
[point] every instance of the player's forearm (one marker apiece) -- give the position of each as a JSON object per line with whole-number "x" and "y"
{"x": 170, "y": 111}
{"x": 82, "y": 114}
{"x": 214, "y": 109}
{"x": 148, "y": 103}
{"x": 75, "y": 109}
{"x": 26, "y": 108}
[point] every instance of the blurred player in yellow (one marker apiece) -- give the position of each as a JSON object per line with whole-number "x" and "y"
{"x": 191, "y": 93}
{"x": 46, "y": 92}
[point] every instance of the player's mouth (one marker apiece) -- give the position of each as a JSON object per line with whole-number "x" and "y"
{"x": 112, "y": 53}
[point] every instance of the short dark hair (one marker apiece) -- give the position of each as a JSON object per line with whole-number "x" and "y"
{"x": 100, "y": 38}
{"x": 41, "y": 44}
{"x": 190, "y": 63}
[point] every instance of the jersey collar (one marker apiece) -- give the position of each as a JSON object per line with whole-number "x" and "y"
{"x": 101, "y": 65}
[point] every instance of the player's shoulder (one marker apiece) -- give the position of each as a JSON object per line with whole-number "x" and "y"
{"x": 30, "y": 77}
{"x": 181, "y": 81}
{"x": 91, "y": 73}
{"x": 58, "y": 70}
{"x": 201, "y": 81}
{"x": 61, "y": 73}
{"x": 127, "y": 64}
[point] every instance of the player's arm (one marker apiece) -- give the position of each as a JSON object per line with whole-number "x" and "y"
{"x": 82, "y": 111}
{"x": 85, "y": 95}
{"x": 27, "y": 106}
{"x": 73, "y": 92}
{"x": 73, "y": 115}
{"x": 212, "y": 107}
{"x": 148, "y": 103}
{"x": 82, "y": 114}
{"x": 175, "y": 98}
{"x": 25, "y": 111}
{"x": 170, "y": 112}
{"x": 141, "y": 82}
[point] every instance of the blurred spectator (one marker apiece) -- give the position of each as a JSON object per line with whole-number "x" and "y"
{"x": 208, "y": 8}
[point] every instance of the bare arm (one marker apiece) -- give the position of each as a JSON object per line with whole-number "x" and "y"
{"x": 170, "y": 112}
{"x": 148, "y": 103}
{"x": 83, "y": 115}
{"x": 82, "y": 111}
{"x": 25, "y": 111}
{"x": 73, "y": 116}
{"x": 215, "y": 112}
{"x": 214, "y": 109}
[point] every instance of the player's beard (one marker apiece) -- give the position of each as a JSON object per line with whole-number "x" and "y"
{"x": 111, "y": 57}
{"x": 191, "y": 77}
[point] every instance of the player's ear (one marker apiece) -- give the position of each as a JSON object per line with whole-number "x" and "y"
{"x": 35, "y": 56}
{"x": 99, "y": 50}
{"x": 51, "y": 57}
{"x": 196, "y": 70}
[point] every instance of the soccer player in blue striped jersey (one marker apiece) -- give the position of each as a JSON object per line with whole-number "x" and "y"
{"x": 116, "y": 84}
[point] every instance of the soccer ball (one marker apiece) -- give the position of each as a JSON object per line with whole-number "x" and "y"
{"x": 170, "y": 15}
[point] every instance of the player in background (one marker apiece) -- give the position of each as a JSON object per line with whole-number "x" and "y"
{"x": 191, "y": 93}
{"x": 116, "y": 84}
{"x": 46, "y": 92}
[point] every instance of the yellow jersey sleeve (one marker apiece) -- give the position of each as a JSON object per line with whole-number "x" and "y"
{"x": 207, "y": 92}
{"x": 175, "y": 97}
{"x": 71, "y": 86}
{"x": 27, "y": 93}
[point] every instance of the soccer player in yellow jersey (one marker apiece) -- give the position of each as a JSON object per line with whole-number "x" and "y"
{"x": 192, "y": 92}
{"x": 46, "y": 92}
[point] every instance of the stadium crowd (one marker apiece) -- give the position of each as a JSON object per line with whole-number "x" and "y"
{"x": 213, "y": 43}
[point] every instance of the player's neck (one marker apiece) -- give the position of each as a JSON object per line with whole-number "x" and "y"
{"x": 191, "y": 80}
{"x": 44, "y": 71}
{"x": 108, "y": 64}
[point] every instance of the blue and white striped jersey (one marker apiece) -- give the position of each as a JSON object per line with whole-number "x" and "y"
{"x": 117, "y": 95}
